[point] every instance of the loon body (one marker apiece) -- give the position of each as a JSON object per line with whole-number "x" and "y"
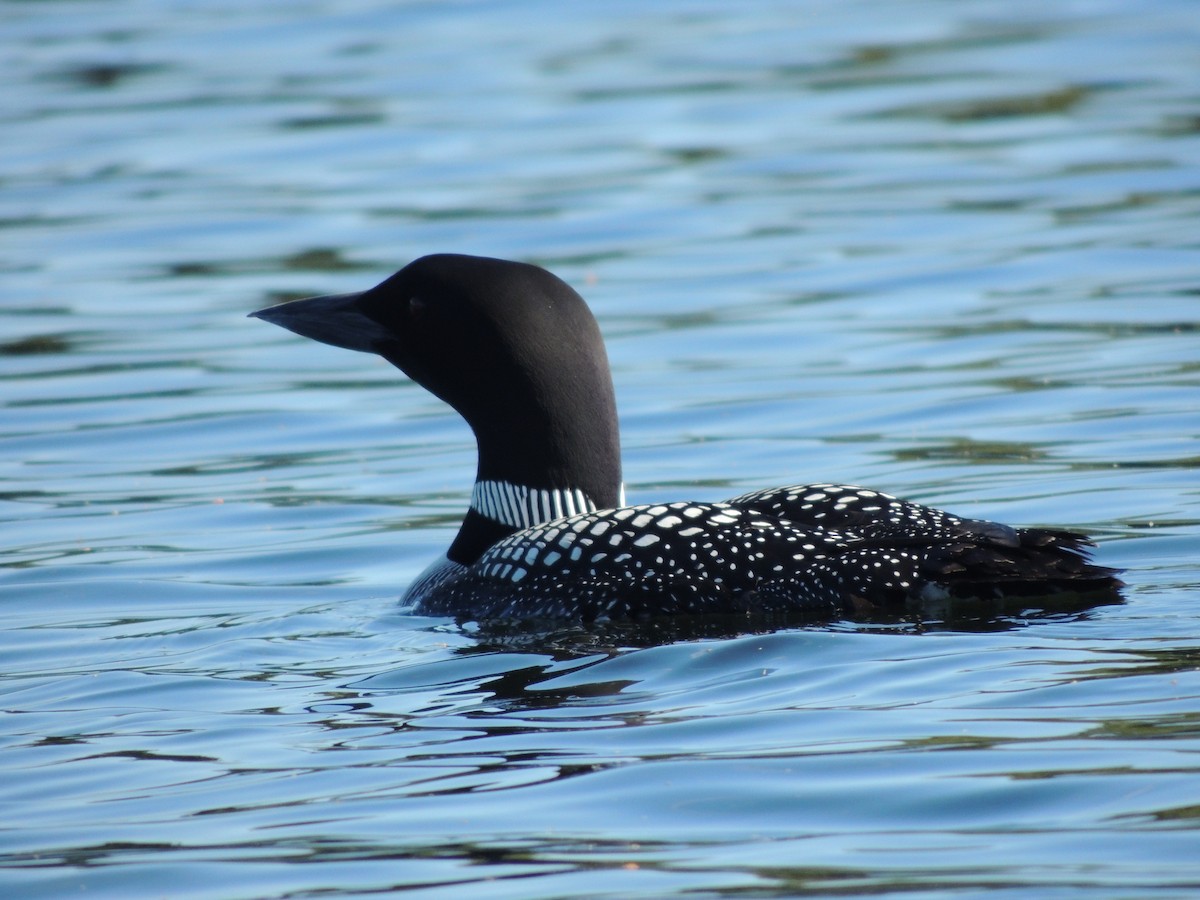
{"x": 518, "y": 354}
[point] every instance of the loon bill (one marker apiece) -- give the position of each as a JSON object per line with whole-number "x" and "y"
{"x": 518, "y": 354}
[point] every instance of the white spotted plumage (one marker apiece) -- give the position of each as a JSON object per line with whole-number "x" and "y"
{"x": 821, "y": 548}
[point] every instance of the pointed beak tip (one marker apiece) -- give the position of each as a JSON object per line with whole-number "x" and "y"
{"x": 272, "y": 314}
{"x": 330, "y": 319}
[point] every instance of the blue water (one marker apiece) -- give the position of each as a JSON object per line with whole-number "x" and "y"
{"x": 947, "y": 250}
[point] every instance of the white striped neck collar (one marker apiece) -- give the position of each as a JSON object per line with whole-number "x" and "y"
{"x": 520, "y": 507}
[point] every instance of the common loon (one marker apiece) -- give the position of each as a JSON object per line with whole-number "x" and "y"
{"x": 518, "y": 354}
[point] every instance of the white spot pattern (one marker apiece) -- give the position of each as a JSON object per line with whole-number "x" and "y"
{"x": 821, "y": 547}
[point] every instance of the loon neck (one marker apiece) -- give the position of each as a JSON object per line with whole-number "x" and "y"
{"x": 548, "y": 447}
{"x": 501, "y": 508}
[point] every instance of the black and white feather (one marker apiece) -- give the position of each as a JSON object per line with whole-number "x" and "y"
{"x": 813, "y": 549}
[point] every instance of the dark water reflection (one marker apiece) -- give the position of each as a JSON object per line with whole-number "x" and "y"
{"x": 945, "y": 250}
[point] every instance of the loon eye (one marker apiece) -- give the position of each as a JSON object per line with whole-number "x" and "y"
{"x": 418, "y": 307}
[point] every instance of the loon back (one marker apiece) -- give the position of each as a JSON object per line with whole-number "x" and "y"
{"x": 518, "y": 354}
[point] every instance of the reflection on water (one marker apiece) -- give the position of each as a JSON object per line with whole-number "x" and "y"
{"x": 941, "y": 250}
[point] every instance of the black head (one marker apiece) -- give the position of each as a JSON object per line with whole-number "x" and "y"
{"x": 510, "y": 346}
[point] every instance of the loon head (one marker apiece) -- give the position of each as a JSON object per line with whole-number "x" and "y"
{"x": 513, "y": 348}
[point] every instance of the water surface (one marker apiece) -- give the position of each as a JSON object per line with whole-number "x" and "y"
{"x": 946, "y": 250}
